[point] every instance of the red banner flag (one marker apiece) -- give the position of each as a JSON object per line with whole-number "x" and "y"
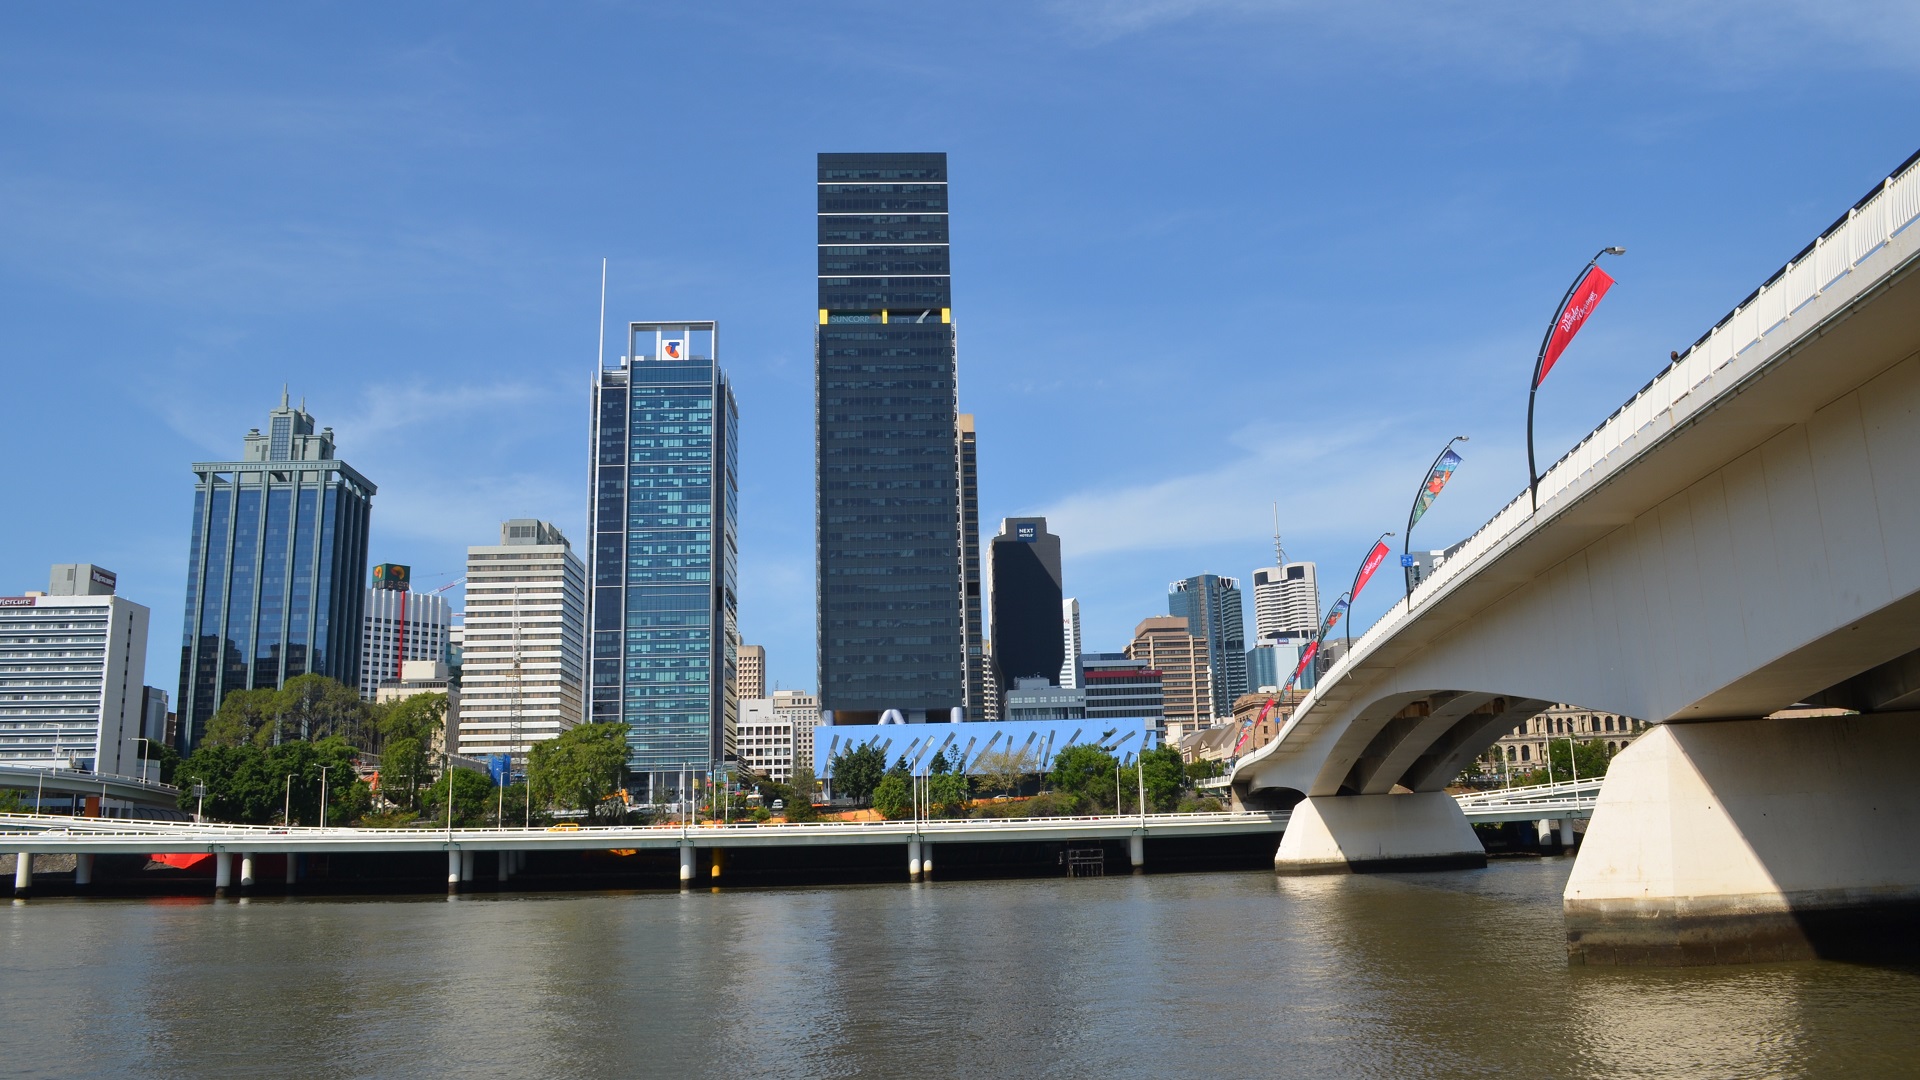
{"x": 1374, "y": 558}
{"x": 1586, "y": 296}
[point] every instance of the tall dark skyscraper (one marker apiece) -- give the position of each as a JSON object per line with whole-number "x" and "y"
{"x": 970, "y": 569}
{"x": 276, "y": 570}
{"x": 1211, "y": 606}
{"x": 1027, "y": 642}
{"x": 890, "y": 562}
{"x": 665, "y": 565}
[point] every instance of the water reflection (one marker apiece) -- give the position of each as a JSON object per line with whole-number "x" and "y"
{"x": 1240, "y": 975}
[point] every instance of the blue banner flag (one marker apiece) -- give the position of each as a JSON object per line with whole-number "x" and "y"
{"x": 1437, "y": 479}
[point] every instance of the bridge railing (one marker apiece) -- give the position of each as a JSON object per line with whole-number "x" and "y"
{"x": 1882, "y": 214}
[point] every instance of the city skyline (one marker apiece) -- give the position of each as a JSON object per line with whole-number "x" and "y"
{"x": 361, "y": 299}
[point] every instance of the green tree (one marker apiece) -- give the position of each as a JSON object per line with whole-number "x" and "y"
{"x": 473, "y": 798}
{"x": 800, "y": 796}
{"x": 581, "y": 769}
{"x": 1004, "y": 770}
{"x": 857, "y": 771}
{"x": 309, "y": 707}
{"x": 14, "y": 802}
{"x": 255, "y": 785}
{"x": 244, "y": 718}
{"x": 1205, "y": 769}
{"x": 949, "y": 793}
{"x": 1592, "y": 758}
{"x": 1084, "y": 771}
{"x": 165, "y": 760}
{"x": 1164, "y": 773}
{"x": 893, "y": 795}
{"x": 403, "y": 768}
{"x": 421, "y": 717}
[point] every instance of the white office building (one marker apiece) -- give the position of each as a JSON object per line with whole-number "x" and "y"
{"x": 802, "y": 710}
{"x": 1286, "y": 601}
{"x": 400, "y": 626}
{"x": 764, "y": 739}
{"x": 1070, "y": 630}
{"x": 73, "y": 661}
{"x": 522, "y": 672}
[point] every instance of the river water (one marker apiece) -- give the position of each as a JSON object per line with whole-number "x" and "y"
{"x": 1202, "y": 975}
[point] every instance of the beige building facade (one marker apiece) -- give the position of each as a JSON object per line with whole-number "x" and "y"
{"x": 1186, "y": 679}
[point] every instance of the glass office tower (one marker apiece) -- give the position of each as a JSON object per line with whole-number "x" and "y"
{"x": 1027, "y": 604}
{"x": 665, "y": 562}
{"x": 274, "y": 573}
{"x": 888, "y": 552}
{"x": 1211, "y": 606}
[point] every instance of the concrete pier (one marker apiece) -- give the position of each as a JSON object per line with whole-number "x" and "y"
{"x": 716, "y": 863}
{"x": 82, "y": 870}
{"x": 1137, "y": 852}
{"x": 222, "y": 872}
{"x": 453, "y": 870}
{"x": 246, "y": 870}
{"x": 293, "y": 869}
{"x": 23, "y": 875}
{"x": 1746, "y": 841}
{"x": 466, "y": 867}
{"x": 926, "y": 860}
{"x": 1340, "y": 834}
{"x": 686, "y": 866}
{"x": 913, "y": 860}
{"x": 502, "y": 865}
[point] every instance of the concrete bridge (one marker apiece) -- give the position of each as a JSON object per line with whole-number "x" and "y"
{"x": 1736, "y": 540}
{"x": 120, "y": 796}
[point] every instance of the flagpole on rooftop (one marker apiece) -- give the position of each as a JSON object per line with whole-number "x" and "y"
{"x": 1413, "y": 515}
{"x": 1539, "y": 365}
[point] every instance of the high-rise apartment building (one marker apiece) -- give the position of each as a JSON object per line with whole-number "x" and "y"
{"x": 1070, "y": 639}
{"x": 72, "y": 662}
{"x": 763, "y": 739}
{"x": 1026, "y": 604}
{"x": 399, "y": 626}
{"x": 1211, "y": 606}
{"x": 889, "y": 556}
{"x": 1120, "y": 688}
{"x": 1286, "y": 600}
{"x": 278, "y": 552}
{"x": 666, "y": 554}
{"x": 976, "y": 636}
{"x": 752, "y": 669}
{"x": 522, "y": 675}
{"x": 1186, "y": 679}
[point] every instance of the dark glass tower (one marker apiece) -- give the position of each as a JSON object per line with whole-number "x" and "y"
{"x": 274, "y": 573}
{"x": 888, "y": 553}
{"x": 970, "y": 569}
{"x": 1211, "y": 606}
{"x": 665, "y": 513}
{"x": 1027, "y": 642}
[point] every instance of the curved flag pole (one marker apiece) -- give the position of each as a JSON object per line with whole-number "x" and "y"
{"x": 1568, "y": 318}
{"x": 1430, "y": 490}
{"x": 1360, "y": 578}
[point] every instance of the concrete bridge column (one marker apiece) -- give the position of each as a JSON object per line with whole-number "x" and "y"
{"x": 686, "y": 866}
{"x": 1543, "y": 832}
{"x": 716, "y": 863}
{"x": 1745, "y": 841}
{"x": 222, "y": 872}
{"x": 246, "y": 870}
{"x": 293, "y": 869}
{"x": 502, "y": 863}
{"x": 926, "y": 860}
{"x": 1137, "y": 852}
{"x": 1337, "y": 834}
{"x": 913, "y": 860}
{"x": 453, "y": 870}
{"x": 1566, "y": 833}
{"x": 466, "y": 867}
{"x": 82, "y": 870}
{"x": 23, "y": 875}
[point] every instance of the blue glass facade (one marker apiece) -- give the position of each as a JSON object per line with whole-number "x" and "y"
{"x": 665, "y": 512}
{"x": 275, "y": 564}
{"x": 1211, "y": 606}
{"x": 888, "y": 548}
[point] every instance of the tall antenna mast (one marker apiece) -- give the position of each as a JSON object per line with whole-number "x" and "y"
{"x": 1279, "y": 553}
{"x": 603, "y": 314}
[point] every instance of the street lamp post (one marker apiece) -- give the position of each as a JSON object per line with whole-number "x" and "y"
{"x": 286, "y": 813}
{"x": 1533, "y": 473}
{"x": 143, "y": 755}
{"x": 323, "y": 795}
{"x": 1413, "y": 514}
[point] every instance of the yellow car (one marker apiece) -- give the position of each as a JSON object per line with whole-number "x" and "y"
{"x": 565, "y": 826}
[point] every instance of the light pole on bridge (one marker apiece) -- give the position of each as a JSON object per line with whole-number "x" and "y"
{"x": 1540, "y": 363}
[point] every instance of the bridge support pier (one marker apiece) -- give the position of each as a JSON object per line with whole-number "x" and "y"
{"x": 502, "y": 865}
{"x": 1566, "y": 834}
{"x": 913, "y": 860}
{"x": 82, "y": 870}
{"x": 293, "y": 869}
{"x": 1746, "y": 841}
{"x": 453, "y": 871}
{"x": 466, "y": 867}
{"x": 222, "y": 872}
{"x": 246, "y": 870}
{"x": 926, "y": 860}
{"x": 23, "y": 875}
{"x": 717, "y": 862}
{"x": 686, "y": 866}
{"x": 1137, "y": 852}
{"x": 1338, "y": 834}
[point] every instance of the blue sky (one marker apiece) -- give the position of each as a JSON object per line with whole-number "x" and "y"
{"x": 1208, "y": 256}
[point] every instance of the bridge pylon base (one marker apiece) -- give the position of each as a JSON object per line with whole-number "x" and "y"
{"x": 1746, "y": 841}
{"x": 1340, "y": 834}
